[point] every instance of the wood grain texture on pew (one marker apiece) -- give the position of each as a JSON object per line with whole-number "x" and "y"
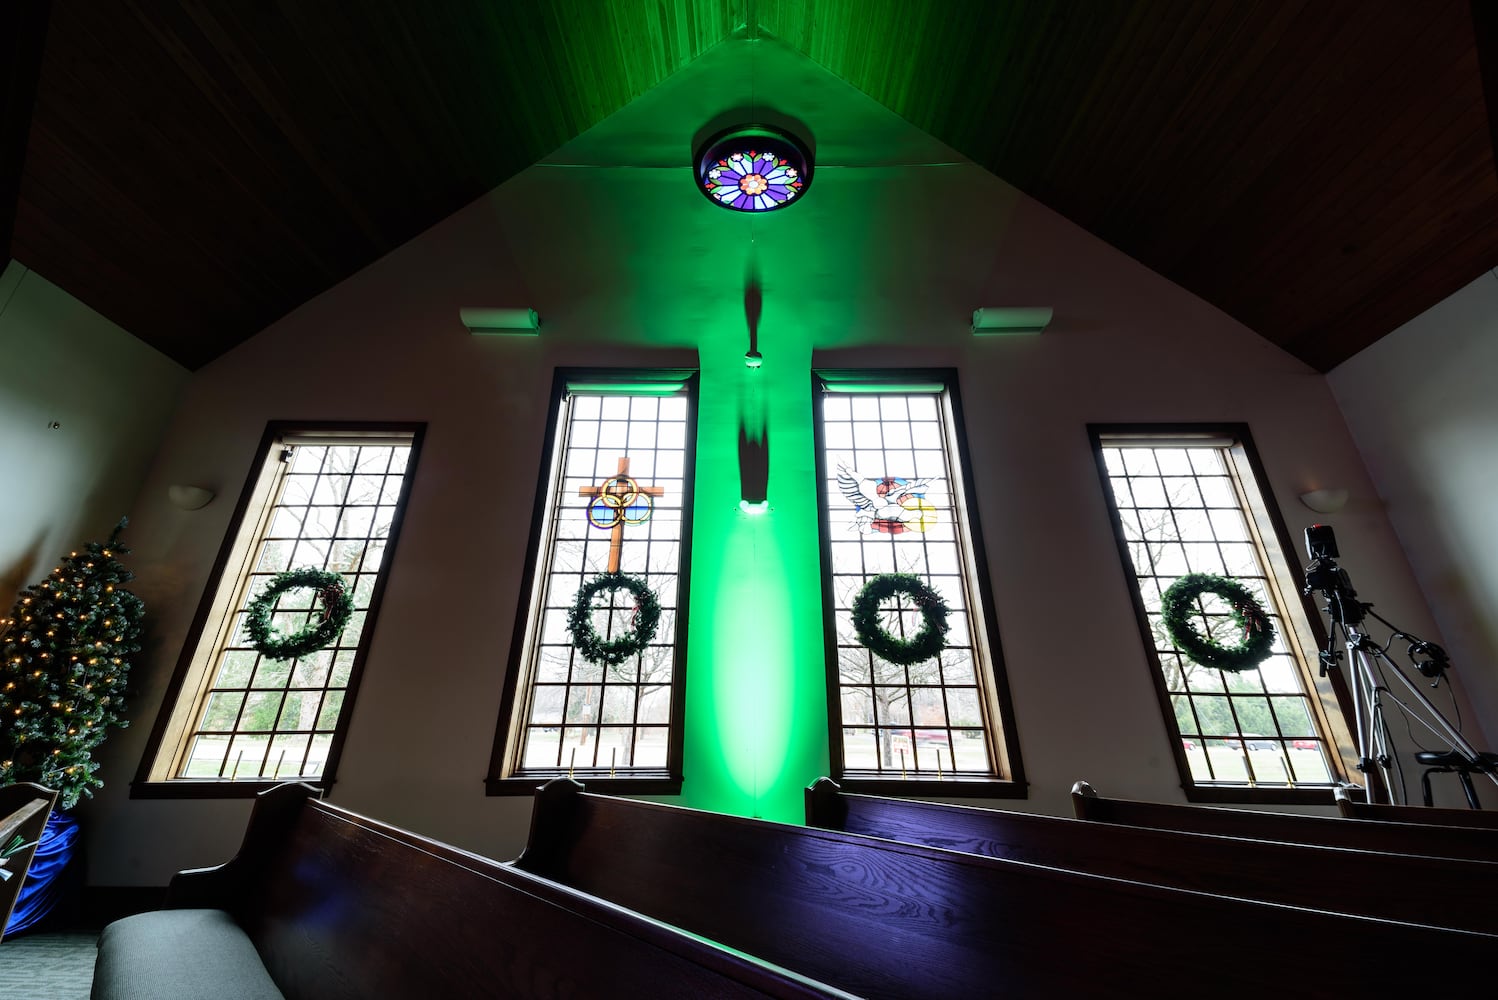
{"x": 1483, "y": 819}
{"x": 24, "y": 809}
{"x": 340, "y": 906}
{"x": 1440, "y": 892}
{"x": 890, "y": 920}
{"x": 1325, "y": 831}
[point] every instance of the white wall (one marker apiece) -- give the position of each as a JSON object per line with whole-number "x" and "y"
{"x": 82, "y": 408}
{"x": 1422, "y": 404}
{"x": 896, "y": 243}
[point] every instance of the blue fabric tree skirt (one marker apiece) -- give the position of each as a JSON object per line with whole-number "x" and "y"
{"x": 44, "y": 886}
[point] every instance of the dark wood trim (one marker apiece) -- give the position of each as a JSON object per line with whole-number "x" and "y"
{"x": 1239, "y": 433}
{"x": 23, "y": 34}
{"x": 1014, "y": 786}
{"x": 144, "y": 788}
{"x": 665, "y": 784}
{"x": 967, "y": 788}
{"x": 668, "y": 782}
{"x": 211, "y": 788}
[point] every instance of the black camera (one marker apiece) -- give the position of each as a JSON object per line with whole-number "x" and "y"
{"x": 1320, "y": 542}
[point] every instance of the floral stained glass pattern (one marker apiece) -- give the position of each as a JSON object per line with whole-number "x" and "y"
{"x": 754, "y": 169}
{"x": 753, "y": 181}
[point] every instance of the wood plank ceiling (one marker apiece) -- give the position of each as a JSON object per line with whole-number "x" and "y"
{"x": 1319, "y": 169}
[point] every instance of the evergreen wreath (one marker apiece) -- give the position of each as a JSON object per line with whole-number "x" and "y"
{"x": 585, "y": 638}
{"x": 1179, "y": 604}
{"x": 337, "y": 608}
{"x": 930, "y": 640}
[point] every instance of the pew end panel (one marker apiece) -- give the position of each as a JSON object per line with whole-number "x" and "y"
{"x": 24, "y": 810}
{"x": 233, "y": 885}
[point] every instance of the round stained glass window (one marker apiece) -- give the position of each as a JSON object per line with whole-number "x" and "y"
{"x": 753, "y": 168}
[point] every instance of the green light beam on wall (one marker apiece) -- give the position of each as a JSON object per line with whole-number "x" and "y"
{"x": 756, "y": 687}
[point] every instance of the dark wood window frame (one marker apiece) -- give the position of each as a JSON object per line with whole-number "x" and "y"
{"x": 142, "y": 787}
{"x": 666, "y": 781}
{"x": 1004, "y": 737}
{"x": 1334, "y": 730}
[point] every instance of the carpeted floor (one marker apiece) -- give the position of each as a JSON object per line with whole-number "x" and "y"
{"x": 57, "y": 966}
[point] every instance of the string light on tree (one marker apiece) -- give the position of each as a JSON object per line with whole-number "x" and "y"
{"x": 62, "y": 706}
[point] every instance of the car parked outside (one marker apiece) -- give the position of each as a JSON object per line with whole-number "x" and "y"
{"x": 1304, "y": 745}
{"x": 1255, "y": 741}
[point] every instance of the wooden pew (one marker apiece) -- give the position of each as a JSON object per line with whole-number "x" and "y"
{"x": 1484, "y": 819}
{"x": 24, "y": 809}
{"x": 340, "y": 906}
{"x": 900, "y": 921}
{"x": 1323, "y": 831}
{"x": 1440, "y": 892}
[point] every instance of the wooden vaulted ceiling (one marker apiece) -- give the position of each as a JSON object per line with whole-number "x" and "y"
{"x": 1322, "y": 170}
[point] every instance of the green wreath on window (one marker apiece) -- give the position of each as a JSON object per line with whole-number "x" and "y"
{"x": 337, "y": 608}
{"x": 585, "y": 638}
{"x": 930, "y": 640}
{"x": 1178, "y": 605}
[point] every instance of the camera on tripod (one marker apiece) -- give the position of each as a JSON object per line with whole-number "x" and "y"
{"x": 1325, "y": 575}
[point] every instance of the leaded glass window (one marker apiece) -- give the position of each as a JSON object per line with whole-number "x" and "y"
{"x": 894, "y": 501}
{"x": 326, "y": 499}
{"x": 618, "y": 486}
{"x": 1192, "y": 503}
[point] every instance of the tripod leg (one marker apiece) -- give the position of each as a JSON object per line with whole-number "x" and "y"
{"x": 1467, "y": 787}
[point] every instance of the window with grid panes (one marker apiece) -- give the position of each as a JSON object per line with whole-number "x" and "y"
{"x": 895, "y": 499}
{"x": 1191, "y": 502}
{"x": 616, "y": 501}
{"x": 327, "y": 499}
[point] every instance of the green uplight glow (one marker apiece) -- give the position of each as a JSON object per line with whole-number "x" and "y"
{"x": 756, "y": 685}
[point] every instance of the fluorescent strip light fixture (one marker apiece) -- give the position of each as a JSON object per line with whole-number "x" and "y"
{"x": 1010, "y": 321}
{"x": 501, "y": 322}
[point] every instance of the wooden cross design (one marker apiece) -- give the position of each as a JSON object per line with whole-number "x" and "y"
{"x": 619, "y": 493}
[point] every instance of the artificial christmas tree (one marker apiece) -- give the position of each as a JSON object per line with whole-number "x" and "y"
{"x": 65, "y": 655}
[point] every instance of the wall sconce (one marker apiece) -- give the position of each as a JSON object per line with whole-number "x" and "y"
{"x": 501, "y": 322}
{"x": 1008, "y": 321}
{"x": 189, "y": 497}
{"x": 1325, "y": 501}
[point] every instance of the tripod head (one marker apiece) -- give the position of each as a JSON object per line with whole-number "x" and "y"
{"x": 1325, "y": 575}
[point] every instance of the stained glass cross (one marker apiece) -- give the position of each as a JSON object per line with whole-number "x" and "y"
{"x": 613, "y": 504}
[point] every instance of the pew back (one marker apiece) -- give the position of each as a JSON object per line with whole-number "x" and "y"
{"x": 1440, "y": 892}
{"x": 1326, "y": 831}
{"x": 1484, "y": 819}
{"x": 888, "y": 920}
{"x": 341, "y": 906}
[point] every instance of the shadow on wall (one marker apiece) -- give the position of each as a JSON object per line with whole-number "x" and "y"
{"x": 14, "y": 578}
